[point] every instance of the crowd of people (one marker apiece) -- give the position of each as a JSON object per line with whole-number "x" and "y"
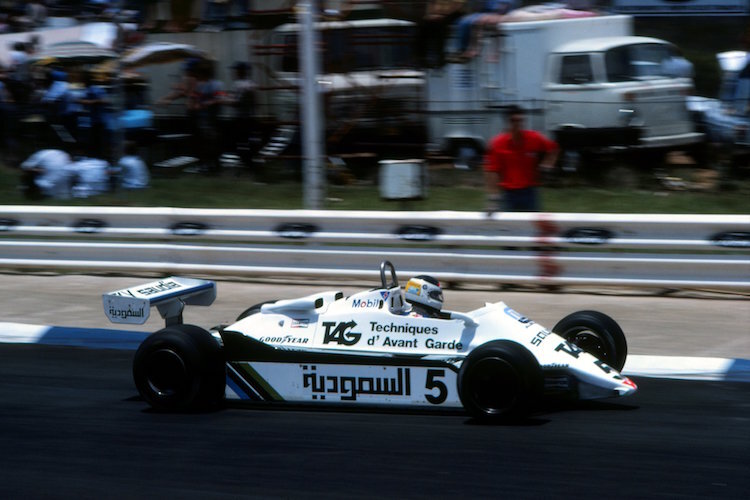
{"x": 55, "y": 173}
{"x": 78, "y": 106}
{"x": 204, "y": 96}
{"x": 77, "y": 111}
{"x": 74, "y": 103}
{"x": 166, "y": 15}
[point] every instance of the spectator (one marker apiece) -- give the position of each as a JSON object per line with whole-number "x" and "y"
{"x": 468, "y": 43}
{"x": 91, "y": 177}
{"x": 132, "y": 169}
{"x": 53, "y": 98}
{"x": 204, "y": 95}
{"x": 209, "y": 94}
{"x": 242, "y": 98}
{"x": 153, "y": 13}
{"x": 185, "y": 89}
{"x": 432, "y": 31}
{"x": 18, "y": 71}
{"x": 47, "y": 174}
{"x": 183, "y": 15}
{"x": 7, "y": 115}
{"x": 18, "y": 56}
{"x": 64, "y": 95}
{"x": 512, "y": 165}
{"x": 96, "y": 108}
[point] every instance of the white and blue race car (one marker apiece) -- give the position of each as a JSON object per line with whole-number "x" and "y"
{"x": 368, "y": 349}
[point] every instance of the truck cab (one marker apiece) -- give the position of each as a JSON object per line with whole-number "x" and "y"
{"x": 619, "y": 91}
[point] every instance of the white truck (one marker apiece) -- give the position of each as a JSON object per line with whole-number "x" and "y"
{"x": 587, "y": 82}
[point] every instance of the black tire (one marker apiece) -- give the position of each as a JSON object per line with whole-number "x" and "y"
{"x": 253, "y": 309}
{"x": 180, "y": 368}
{"x": 500, "y": 381}
{"x": 597, "y": 334}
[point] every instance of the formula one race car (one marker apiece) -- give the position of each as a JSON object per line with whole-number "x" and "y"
{"x": 371, "y": 348}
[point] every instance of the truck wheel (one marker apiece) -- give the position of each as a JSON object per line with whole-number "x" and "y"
{"x": 500, "y": 381}
{"x": 597, "y": 334}
{"x": 180, "y": 368}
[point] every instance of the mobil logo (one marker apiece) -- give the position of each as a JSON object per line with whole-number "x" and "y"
{"x": 366, "y": 303}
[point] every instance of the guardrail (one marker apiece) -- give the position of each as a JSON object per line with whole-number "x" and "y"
{"x": 674, "y": 251}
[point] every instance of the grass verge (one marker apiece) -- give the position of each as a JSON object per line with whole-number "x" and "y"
{"x": 456, "y": 190}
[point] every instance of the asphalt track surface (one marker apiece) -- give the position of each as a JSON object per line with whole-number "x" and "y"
{"x": 72, "y": 426}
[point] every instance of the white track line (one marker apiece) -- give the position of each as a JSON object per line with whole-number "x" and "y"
{"x": 674, "y": 367}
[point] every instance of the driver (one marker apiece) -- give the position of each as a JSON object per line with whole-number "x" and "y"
{"x": 425, "y": 296}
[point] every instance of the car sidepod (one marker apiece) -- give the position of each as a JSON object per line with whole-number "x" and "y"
{"x": 259, "y": 372}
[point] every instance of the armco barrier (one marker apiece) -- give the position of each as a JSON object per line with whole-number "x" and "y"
{"x": 675, "y": 251}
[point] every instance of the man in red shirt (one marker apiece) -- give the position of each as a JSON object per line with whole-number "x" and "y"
{"x": 512, "y": 165}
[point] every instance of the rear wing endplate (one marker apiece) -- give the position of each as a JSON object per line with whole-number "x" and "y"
{"x": 169, "y": 295}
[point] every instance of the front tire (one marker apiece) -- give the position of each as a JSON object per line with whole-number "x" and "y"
{"x": 180, "y": 368}
{"x": 597, "y": 334}
{"x": 500, "y": 381}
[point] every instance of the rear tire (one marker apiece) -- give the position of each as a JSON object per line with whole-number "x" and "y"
{"x": 500, "y": 381}
{"x": 597, "y": 334}
{"x": 180, "y": 368}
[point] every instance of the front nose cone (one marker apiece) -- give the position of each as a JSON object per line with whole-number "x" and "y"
{"x": 626, "y": 387}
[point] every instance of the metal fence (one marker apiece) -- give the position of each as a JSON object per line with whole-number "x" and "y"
{"x": 673, "y": 251}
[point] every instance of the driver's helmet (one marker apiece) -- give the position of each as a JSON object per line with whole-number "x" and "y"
{"x": 424, "y": 290}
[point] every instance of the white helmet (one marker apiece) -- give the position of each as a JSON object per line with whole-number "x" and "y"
{"x": 424, "y": 290}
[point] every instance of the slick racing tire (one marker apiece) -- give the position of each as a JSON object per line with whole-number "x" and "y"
{"x": 500, "y": 381}
{"x": 597, "y": 334}
{"x": 180, "y": 368}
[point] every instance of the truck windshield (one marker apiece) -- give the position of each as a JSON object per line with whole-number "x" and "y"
{"x": 361, "y": 49}
{"x": 645, "y": 61}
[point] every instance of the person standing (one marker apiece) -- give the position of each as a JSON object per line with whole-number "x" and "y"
{"x": 209, "y": 96}
{"x": 96, "y": 107}
{"x": 241, "y": 97}
{"x": 512, "y": 165}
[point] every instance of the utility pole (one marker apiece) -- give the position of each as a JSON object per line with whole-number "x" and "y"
{"x": 313, "y": 174}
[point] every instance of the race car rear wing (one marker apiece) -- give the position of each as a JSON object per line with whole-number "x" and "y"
{"x": 169, "y": 295}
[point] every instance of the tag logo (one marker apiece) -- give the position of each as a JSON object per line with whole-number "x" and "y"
{"x": 340, "y": 333}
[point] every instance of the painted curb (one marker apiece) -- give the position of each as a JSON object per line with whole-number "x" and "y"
{"x": 689, "y": 368}
{"x": 97, "y": 338}
{"x": 674, "y": 367}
